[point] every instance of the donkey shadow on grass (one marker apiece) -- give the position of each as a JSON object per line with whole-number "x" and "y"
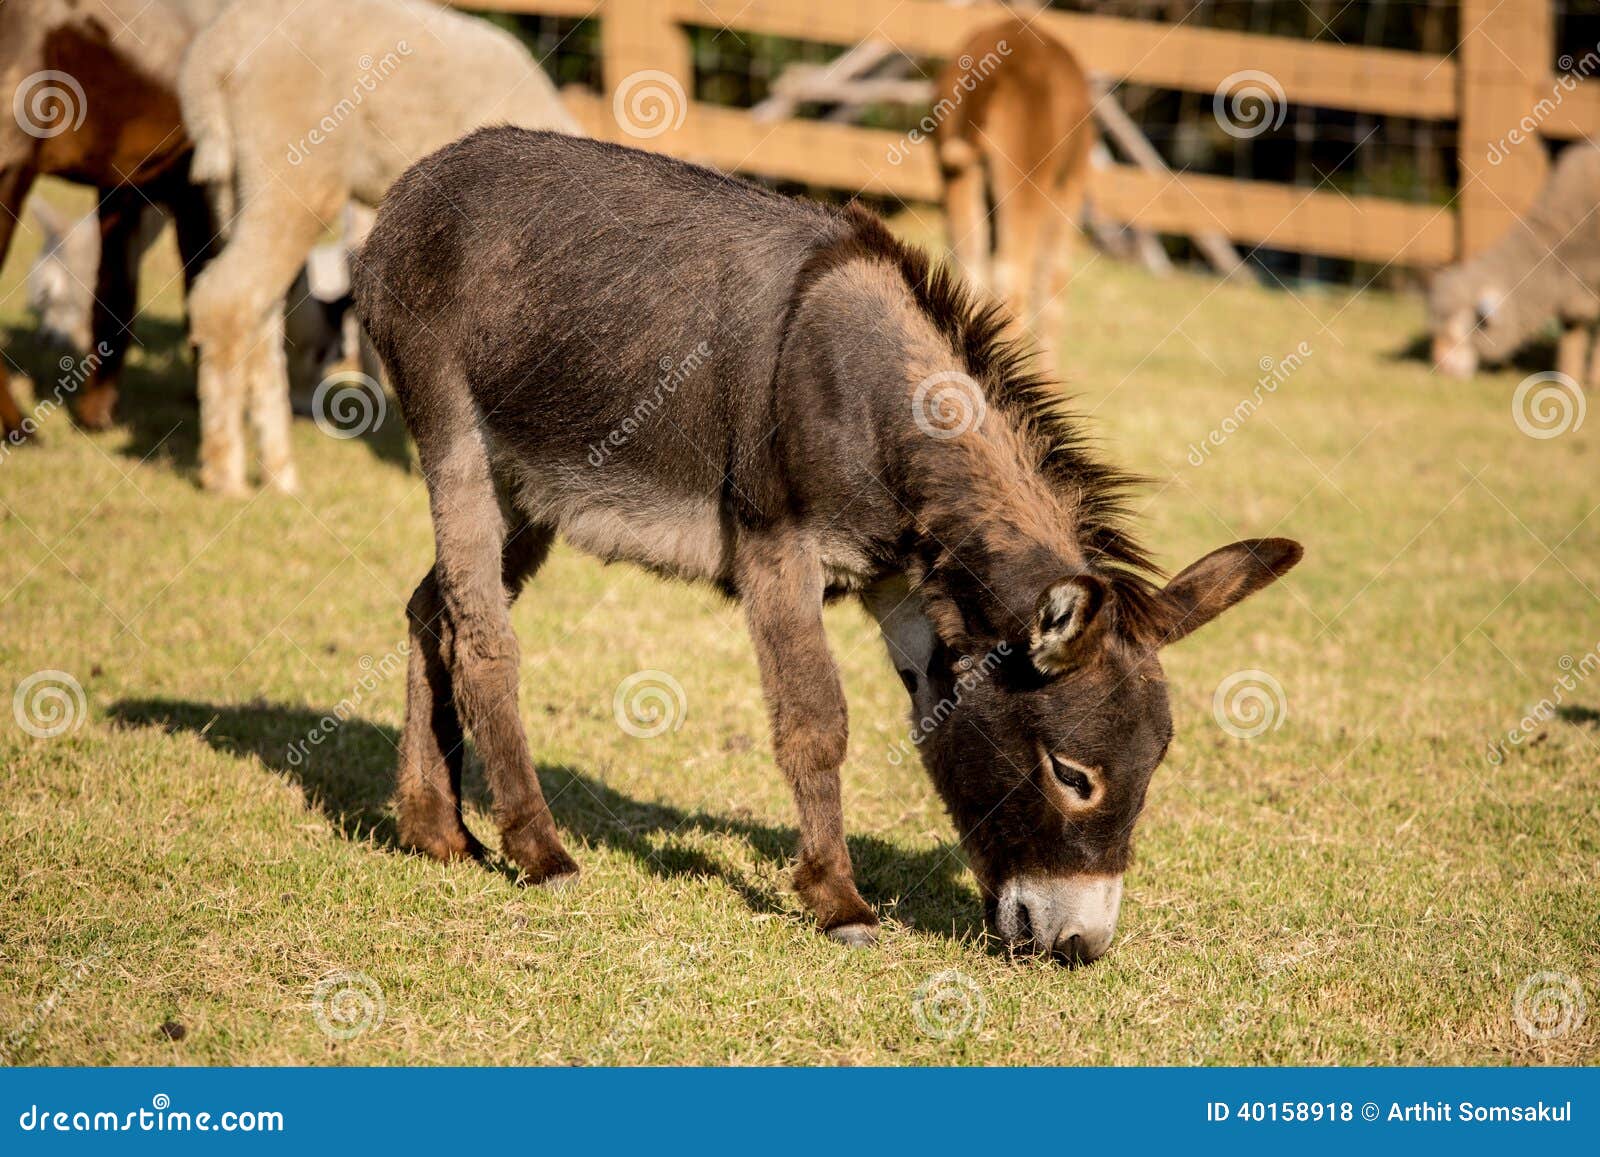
{"x": 349, "y": 778}
{"x": 156, "y": 404}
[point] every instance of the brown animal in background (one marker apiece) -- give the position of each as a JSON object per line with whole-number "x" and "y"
{"x": 93, "y": 84}
{"x": 840, "y": 419}
{"x": 1014, "y": 130}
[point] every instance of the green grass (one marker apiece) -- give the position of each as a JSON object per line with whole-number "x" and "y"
{"x": 1358, "y": 885}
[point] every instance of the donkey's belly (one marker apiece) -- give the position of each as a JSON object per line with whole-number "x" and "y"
{"x": 683, "y": 537}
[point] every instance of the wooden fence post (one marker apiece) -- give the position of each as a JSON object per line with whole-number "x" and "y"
{"x": 1506, "y": 70}
{"x": 648, "y": 67}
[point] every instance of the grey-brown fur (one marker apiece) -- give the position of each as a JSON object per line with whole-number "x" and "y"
{"x": 1545, "y": 269}
{"x": 527, "y": 290}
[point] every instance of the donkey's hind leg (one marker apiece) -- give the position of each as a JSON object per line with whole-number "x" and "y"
{"x": 476, "y": 562}
{"x": 432, "y": 747}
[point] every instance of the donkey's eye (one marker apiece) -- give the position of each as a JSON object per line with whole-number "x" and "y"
{"x": 1073, "y": 776}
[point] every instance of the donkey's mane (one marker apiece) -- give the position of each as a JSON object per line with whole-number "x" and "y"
{"x": 1008, "y": 373}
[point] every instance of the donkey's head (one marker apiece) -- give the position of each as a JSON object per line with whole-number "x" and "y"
{"x": 1043, "y": 745}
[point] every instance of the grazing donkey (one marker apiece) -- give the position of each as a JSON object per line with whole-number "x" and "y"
{"x": 848, "y": 423}
{"x": 1014, "y": 133}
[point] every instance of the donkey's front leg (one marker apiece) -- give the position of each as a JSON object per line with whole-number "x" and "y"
{"x": 781, "y": 586}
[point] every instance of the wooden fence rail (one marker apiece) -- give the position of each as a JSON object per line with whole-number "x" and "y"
{"x": 1500, "y": 80}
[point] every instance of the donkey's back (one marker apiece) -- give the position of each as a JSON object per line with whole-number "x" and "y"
{"x": 557, "y": 294}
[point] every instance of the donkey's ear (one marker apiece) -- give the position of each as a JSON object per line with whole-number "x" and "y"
{"x": 1205, "y": 589}
{"x": 1064, "y": 622}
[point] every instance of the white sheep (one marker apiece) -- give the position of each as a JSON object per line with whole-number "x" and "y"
{"x": 295, "y": 110}
{"x": 1546, "y": 268}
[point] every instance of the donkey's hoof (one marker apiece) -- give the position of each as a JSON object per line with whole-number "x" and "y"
{"x": 854, "y": 935}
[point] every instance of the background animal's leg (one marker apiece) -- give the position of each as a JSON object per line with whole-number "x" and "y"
{"x": 1053, "y": 268}
{"x": 1591, "y": 379}
{"x": 1020, "y": 208}
{"x": 782, "y": 596}
{"x": 197, "y": 235}
{"x": 116, "y": 291}
{"x": 1572, "y": 350}
{"x": 14, "y": 186}
{"x": 476, "y": 565}
{"x": 966, "y": 206}
{"x": 228, "y": 313}
{"x": 270, "y": 412}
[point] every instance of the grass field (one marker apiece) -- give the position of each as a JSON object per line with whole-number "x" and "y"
{"x": 188, "y": 879}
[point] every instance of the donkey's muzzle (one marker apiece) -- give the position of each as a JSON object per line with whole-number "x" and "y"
{"x": 1072, "y": 918}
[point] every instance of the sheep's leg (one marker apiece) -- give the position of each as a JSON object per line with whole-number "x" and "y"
{"x": 240, "y": 345}
{"x": 476, "y": 641}
{"x": 1572, "y": 351}
{"x": 270, "y": 411}
{"x": 116, "y": 292}
{"x": 14, "y": 185}
{"x": 431, "y": 748}
{"x": 781, "y": 586}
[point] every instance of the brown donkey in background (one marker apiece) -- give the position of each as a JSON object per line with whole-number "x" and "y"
{"x": 848, "y": 423}
{"x": 1015, "y": 132}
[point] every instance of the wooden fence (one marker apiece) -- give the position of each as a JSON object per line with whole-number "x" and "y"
{"x": 1498, "y": 80}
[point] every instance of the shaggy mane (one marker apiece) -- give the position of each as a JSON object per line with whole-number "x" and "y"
{"x": 1006, "y": 369}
